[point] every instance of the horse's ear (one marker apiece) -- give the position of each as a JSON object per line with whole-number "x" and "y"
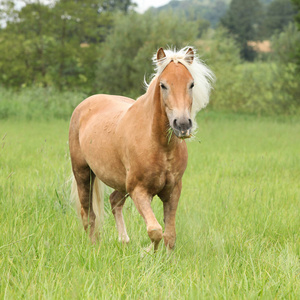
{"x": 189, "y": 56}
{"x": 160, "y": 54}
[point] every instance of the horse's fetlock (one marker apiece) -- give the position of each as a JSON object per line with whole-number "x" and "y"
{"x": 169, "y": 240}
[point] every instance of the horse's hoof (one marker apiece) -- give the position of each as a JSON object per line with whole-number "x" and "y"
{"x": 124, "y": 240}
{"x": 155, "y": 234}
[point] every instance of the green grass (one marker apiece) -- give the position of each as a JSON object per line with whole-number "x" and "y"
{"x": 237, "y": 222}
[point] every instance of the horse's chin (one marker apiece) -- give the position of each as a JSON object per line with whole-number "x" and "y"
{"x": 185, "y": 137}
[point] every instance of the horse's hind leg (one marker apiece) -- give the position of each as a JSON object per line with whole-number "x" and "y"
{"x": 117, "y": 201}
{"x": 85, "y": 179}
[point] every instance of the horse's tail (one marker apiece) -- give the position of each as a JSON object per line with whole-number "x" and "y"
{"x": 98, "y": 200}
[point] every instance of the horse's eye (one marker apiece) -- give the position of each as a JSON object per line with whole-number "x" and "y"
{"x": 192, "y": 85}
{"x": 163, "y": 86}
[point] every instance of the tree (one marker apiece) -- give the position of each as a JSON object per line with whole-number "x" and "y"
{"x": 278, "y": 15}
{"x": 27, "y": 29}
{"x": 54, "y": 45}
{"x": 297, "y": 17}
{"x": 75, "y": 24}
{"x": 285, "y": 45}
{"x": 242, "y": 19}
{"x": 210, "y": 11}
{"x": 297, "y": 20}
{"x": 123, "y": 6}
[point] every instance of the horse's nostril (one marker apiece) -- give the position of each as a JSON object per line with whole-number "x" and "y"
{"x": 175, "y": 123}
{"x": 190, "y": 123}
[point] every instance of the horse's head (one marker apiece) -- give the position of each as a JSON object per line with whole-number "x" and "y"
{"x": 176, "y": 90}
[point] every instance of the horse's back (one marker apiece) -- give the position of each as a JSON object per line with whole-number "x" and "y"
{"x": 102, "y": 104}
{"x": 98, "y": 108}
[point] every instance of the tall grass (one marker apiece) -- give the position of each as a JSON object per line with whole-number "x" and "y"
{"x": 38, "y": 103}
{"x": 237, "y": 222}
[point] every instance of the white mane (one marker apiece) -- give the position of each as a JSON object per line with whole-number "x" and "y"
{"x": 202, "y": 75}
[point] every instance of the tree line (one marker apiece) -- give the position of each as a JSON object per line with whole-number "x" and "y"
{"x": 105, "y": 46}
{"x": 54, "y": 44}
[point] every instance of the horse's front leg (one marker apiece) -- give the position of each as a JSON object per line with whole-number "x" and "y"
{"x": 170, "y": 204}
{"x": 142, "y": 201}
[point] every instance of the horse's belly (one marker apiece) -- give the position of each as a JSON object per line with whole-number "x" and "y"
{"x": 102, "y": 157}
{"x": 113, "y": 180}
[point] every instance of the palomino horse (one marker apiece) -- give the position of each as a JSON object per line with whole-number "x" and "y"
{"x": 137, "y": 147}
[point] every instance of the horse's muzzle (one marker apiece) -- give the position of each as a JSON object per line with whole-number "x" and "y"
{"x": 183, "y": 128}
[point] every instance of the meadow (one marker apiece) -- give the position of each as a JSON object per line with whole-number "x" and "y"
{"x": 237, "y": 221}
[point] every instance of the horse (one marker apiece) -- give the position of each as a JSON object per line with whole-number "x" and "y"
{"x": 138, "y": 147}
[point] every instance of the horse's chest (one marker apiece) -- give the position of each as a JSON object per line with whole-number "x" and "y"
{"x": 157, "y": 173}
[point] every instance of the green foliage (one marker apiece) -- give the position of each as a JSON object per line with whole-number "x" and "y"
{"x": 237, "y": 220}
{"x": 251, "y": 88}
{"x": 285, "y": 44}
{"x": 55, "y": 45}
{"x": 218, "y": 49}
{"x": 242, "y": 19}
{"x": 279, "y": 13}
{"x": 105, "y": 47}
{"x": 13, "y": 63}
{"x": 38, "y": 103}
{"x": 287, "y": 75}
{"x": 210, "y": 11}
{"x": 258, "y": 88}
{"x": 126, "y": 57}
{"x": 297, "y": 19}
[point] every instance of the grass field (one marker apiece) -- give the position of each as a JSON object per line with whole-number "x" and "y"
{"x": 237, "y": 223}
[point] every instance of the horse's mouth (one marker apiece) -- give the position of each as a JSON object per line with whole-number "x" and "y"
{"x": 182, "y": 134}
{"x": 185, "y": 137}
